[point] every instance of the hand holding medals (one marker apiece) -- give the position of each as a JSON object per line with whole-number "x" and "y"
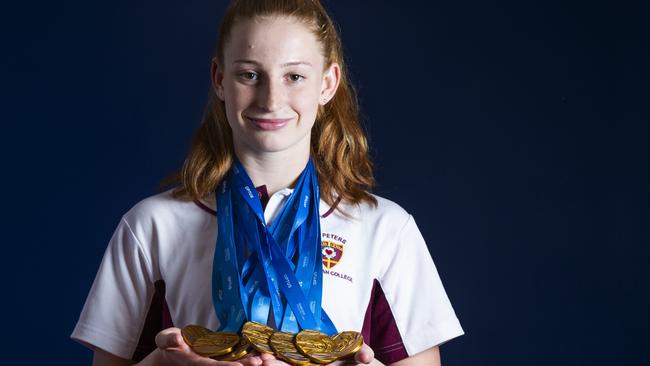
{"x": 308, "y": 347}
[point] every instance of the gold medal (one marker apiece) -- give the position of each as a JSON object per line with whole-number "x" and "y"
{"x": 240, "y": 351}
{"x": 308, "y": 348}
{"x": 215, "y": 344}
{"x": 347, "y": 343}
{"x": 258, "y": 335}
{"x": 317, "y": 346}
{"x": 191, "y": 333}
{"x": 282, "y": 344}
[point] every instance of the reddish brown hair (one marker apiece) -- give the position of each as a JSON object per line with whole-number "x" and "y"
{"x": 339, "y": 146}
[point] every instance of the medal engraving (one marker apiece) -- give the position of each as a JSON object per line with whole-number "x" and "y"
{"x": 240, "y": 351}
{"x": 191, "y": 333}
{"x": 258, "y": 336}
{"x": 207, "y": 343}
{"x": 283, "y": 346}
{"x": 317, "y": 346}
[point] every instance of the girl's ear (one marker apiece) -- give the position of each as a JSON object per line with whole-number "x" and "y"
{"x": 216, "y": 73}
{"x": 331, "y": 80}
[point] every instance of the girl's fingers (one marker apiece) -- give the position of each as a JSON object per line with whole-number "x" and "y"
{"x": 274, "y": 363}
{"x": 196, "y": 360}
{"x": 169, "y": 338}
{"x": 365, "y": 355}
{"x": 252, "y": 361}
{"x": 266, "y": 356}
{"x": 177, "y": 352}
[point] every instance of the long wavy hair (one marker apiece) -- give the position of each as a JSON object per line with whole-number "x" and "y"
{"x": 339, "y": 146}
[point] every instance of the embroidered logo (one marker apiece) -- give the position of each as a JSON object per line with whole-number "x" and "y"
{"x": 332, "y": 253}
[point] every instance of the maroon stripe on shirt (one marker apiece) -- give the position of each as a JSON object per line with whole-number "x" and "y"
{"x": 380, "y": 329}
{"x": 205, "y": 208}
{"x": 166, "y": 316}
{"x": 158, "y": 318}
{"x": 329, "y": 212}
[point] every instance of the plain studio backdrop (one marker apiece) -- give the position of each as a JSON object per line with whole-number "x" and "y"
{"x": 516, "y": 133}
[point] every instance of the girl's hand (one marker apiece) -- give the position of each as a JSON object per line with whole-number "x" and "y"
{"x": 365, "y": 356}
{"x": 175, "y": 352}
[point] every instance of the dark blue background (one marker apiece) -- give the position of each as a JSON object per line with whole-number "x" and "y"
{"x": 515, "y": 132}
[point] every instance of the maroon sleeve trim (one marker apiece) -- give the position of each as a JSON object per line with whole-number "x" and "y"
{"x": 158, "y": 318}
{"x": 380, "y": 330}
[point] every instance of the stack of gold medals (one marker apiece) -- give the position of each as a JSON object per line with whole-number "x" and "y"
{"x": 305, "y": 348}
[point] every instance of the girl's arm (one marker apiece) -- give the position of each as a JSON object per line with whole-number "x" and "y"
{"x": 430, "y": 357}
{"x": 103, "y": 358}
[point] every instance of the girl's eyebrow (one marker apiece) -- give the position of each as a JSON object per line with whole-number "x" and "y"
{"x": 286, "y": 64}
{"x": 296, "y": 63}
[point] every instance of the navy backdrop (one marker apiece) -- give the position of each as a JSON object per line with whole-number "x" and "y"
{"x": 515, "y": 132}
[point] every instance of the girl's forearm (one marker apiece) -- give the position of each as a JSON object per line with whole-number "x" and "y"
{"x": 152, "y": 359}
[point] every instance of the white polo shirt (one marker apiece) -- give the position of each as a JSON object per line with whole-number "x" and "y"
{"x": 378, "y": 279}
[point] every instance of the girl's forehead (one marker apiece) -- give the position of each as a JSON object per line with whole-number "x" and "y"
{"x": 273, "y": 39}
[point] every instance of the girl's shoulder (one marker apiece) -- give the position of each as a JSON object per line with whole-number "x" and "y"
{"x": 157, "y": 206}
{"x": 385, "y": 209}
{"x": 163, "y": 210}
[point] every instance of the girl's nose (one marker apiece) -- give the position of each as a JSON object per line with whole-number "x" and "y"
{"x": 269, "y": 95}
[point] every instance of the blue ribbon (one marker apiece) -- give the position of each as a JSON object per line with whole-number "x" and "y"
{"x": 282, "y": 276}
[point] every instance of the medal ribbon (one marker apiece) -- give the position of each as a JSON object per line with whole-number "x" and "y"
{"x": 269, "y": 280}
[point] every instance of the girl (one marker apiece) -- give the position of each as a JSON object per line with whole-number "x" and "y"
{"x": 282, "y": 121}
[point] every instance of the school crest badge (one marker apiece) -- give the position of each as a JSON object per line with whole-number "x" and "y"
{"x": 332, "y": 253}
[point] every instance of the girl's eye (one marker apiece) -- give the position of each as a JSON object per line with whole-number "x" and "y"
{"x": 248, "y": 75}
{"x": 296, "y": 77}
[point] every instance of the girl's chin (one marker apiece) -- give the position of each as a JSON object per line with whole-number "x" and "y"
{"x": 273, "y": 145}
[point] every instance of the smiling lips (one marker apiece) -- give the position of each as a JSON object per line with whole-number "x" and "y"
{"x": 269, "y": 124}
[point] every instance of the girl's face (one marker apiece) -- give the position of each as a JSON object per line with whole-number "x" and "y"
{"x": 272, "y": 81}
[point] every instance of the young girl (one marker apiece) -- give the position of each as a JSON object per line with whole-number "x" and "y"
{"x": 282, "y": 121}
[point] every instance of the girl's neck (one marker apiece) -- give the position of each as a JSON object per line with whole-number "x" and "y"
{"x": 276, "y": 170}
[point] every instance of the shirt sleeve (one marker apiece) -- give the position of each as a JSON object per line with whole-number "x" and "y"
{"x": 116, "y": 307}
{"x": 415, "y": 294}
